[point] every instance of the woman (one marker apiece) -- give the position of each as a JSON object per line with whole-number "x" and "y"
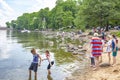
{"x": 114, "y": 49}
{"x": 96, "y": 49}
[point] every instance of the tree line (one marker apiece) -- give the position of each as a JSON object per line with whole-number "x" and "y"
{"x": 81, "y": 14}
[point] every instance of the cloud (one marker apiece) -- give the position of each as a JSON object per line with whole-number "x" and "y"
{"x": 5, "y": 12}
{"x": 11, "y": 9}
{"x": 40, "y": 4}
{"x": 5, "y": 6}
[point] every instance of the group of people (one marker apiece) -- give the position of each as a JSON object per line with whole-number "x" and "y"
{"x": 37, "y": 62}
{"x": 97, "y": 44}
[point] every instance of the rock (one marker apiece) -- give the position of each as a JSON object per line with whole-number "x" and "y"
{"x": 62, "y": 45}
{"x": 80, "y": 47}
{"x": 105, "y": 65}
{"x": 75, "y": 48}
{"x": 82, "y": 36}
{"x": 51, "y": 43}
{"x": 80, "y": 53}
{"x": 70, "y": 50}
{"x": 115, "y": 70}
{"x": 103, "y": 79}
{"x": 82, "y": 50}
{"x": 75, "y": 52}
{"x": 63, "y": 48}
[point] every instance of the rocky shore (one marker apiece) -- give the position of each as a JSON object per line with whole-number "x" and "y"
{"x": 105, "y": 71}
{"x": 83, "y": 71}
{"x": 68, "y": 41}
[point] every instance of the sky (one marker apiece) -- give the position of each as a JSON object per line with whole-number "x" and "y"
{"x": 11, "y": 9}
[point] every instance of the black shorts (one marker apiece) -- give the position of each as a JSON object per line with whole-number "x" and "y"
{"x": 48, "y": 67}
{"x": 34, "y": 67}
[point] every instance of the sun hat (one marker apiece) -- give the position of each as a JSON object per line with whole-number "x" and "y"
{"x": 95, "y": 35}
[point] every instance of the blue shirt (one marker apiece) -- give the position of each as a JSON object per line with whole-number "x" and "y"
{"x": 113, "y": 45}
{"x": 35, "y": 58}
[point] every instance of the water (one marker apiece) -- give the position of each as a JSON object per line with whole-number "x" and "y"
{"x": 15, "y": 57}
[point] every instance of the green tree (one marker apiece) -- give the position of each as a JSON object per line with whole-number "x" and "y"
{"x": 8, "y": 24}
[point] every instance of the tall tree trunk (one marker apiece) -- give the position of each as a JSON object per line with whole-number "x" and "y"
{"x": 107, "y": 26}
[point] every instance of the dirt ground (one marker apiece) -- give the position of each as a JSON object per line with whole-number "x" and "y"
{"x": 103, "y": 73}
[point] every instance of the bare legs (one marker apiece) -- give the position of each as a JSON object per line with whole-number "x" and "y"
{"x": 114, "y": 61}
{"x": 49, "y": 72}
{"x": 31, "y": 77}
{"x": 49, "y": 77}
{"x": 100, "y": 61}
{"x": 109, "y": 58}
{"x": 96, "y": 62}
{"x": 35, "y": 75}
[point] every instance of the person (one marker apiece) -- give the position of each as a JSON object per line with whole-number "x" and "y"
{"x": 35, "y": 63}
{"x": 109, "y": 49}
{"x": 103, "y": 34}
{"x": 103, "y": 43}
{"x": 92, "y": 61}
{"x": 50, "y": 59}
{"x": 96, "y": 45}
{"x": 114, "y": 49}
{"x": 49, "y": 77}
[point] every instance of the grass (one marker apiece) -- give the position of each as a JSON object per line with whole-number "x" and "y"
{"x": 117, "y": 33}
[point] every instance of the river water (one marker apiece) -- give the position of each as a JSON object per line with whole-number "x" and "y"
{"x": 15, "y": 57}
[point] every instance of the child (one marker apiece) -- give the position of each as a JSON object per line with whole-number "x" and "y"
{"x": 34, "y": 64}
{"x": 50, "y": 59}
{"x": 109, "y": 49}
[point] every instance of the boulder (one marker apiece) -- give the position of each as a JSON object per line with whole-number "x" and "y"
{"x": 80, "y": 47}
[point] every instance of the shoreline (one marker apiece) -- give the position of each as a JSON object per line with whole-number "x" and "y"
{"x": 103, "y": 73}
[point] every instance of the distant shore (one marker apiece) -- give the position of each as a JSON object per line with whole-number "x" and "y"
{"x": 4, "y": 28}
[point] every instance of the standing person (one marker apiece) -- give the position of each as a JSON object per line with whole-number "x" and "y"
{"x": 50, "y": 59}
{"x": 114, "y": 49}
{"x": 96, "y": 49}
{"x": 103, "y": 34}
{"x": 34, "y": 64}
{"x": 109, "y": 49}
{"x": 103, "y": 44}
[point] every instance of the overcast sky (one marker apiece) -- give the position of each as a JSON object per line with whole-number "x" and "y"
{"x": 11, "y": 9}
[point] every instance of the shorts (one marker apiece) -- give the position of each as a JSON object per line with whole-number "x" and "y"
{"x": 114, "y": 54}
{"x": 34, "y": 67}
{"x": 48, "y": 67}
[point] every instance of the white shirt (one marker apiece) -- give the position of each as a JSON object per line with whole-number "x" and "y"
{"x": 51, "y": 57}
{"x": 109, "y": 49}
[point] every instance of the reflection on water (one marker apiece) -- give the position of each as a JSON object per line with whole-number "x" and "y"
{"x": 49, "y": 77}
{"x": 15, "y": 56}
{"x": 4, "y": 48}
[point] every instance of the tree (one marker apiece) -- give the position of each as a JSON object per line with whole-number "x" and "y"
{"x": 8, "y": 24}
{"x": 96, "y": 12}
{"x": 79, "y": 13}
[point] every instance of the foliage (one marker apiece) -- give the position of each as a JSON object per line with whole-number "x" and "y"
{"x": 81, "y": 14}
{"x": 116, "y": 33}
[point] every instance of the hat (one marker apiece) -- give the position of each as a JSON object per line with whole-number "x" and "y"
{"x": 95, "y": 35}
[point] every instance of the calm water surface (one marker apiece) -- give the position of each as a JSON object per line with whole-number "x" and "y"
{"x": 15, "y": 57}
